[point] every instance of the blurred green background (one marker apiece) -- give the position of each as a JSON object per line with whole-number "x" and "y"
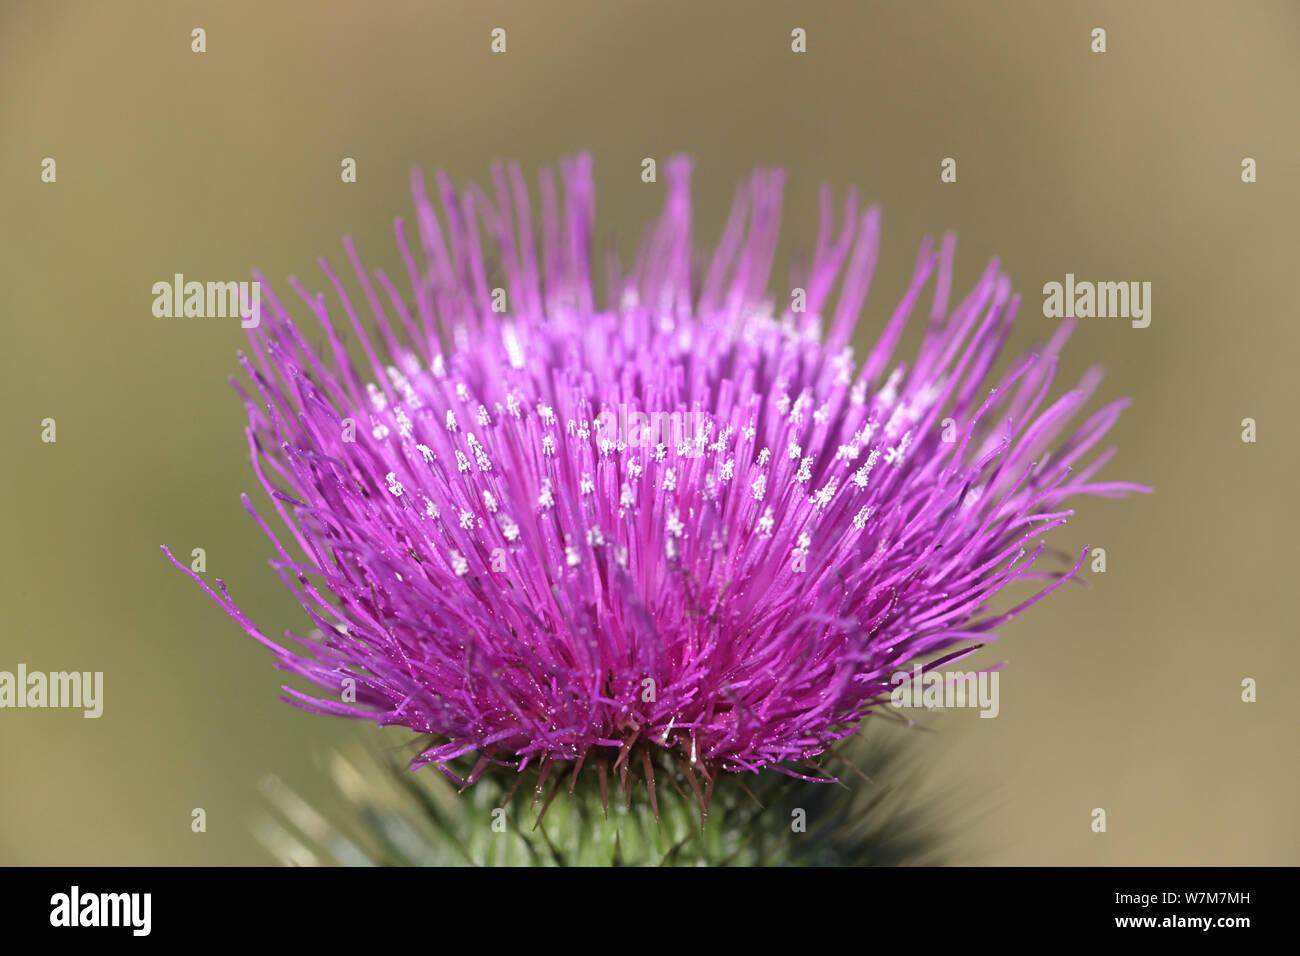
{"x": 1118, "y": 166}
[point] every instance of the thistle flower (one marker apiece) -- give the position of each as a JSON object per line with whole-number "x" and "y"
{"x": 684, "y": 529}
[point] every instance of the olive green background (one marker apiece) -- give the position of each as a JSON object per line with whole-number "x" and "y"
{"x": 1122, "y": 166}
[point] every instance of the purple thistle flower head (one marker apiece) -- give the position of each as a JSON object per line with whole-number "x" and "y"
{"x": 688, "y": 523}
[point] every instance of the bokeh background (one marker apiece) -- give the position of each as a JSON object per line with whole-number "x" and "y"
{"x": 1123, "y": 695}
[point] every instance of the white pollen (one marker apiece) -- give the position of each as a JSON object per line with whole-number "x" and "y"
{"x": 796, "y": 412}
{"x": 861, "y": 476}
{"x": 514, "y": 352}
{"x": 403, "y": 423}
{"x": 824, "y": 496}
{"x": 459, "y": 564}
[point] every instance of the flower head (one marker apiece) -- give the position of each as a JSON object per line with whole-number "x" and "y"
{"x": 686, "y": 524}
